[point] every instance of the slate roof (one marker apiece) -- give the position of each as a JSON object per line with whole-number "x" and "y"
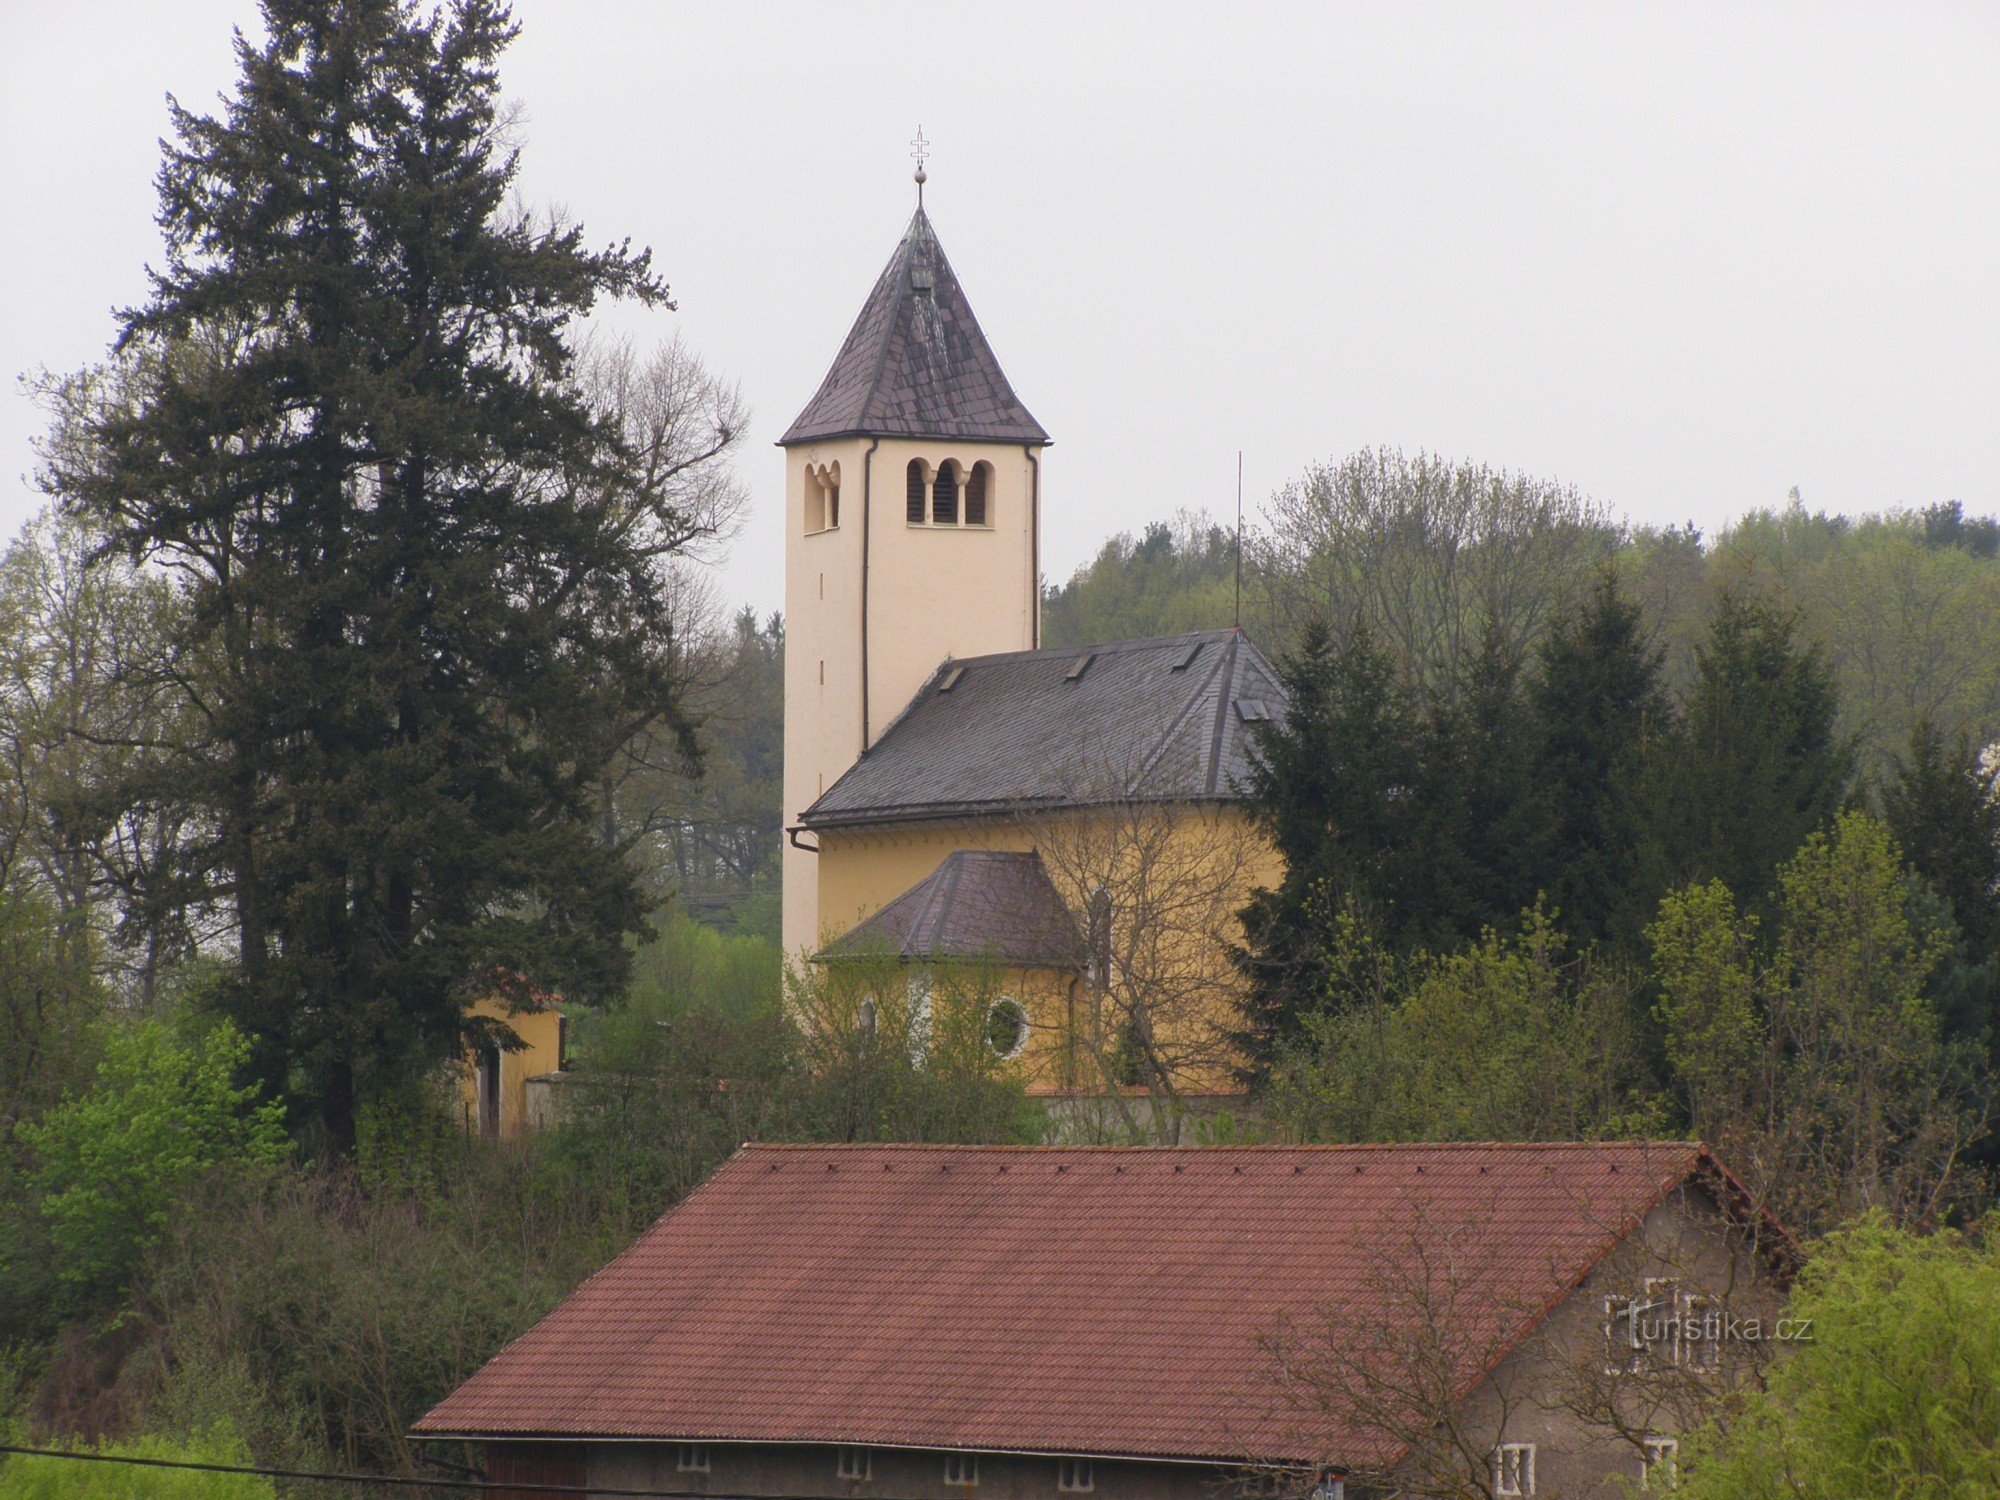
{"x": 977, "y": 904}
{"x": 1071, "y": 1300}
{"x": 1165, "y": 719}
{"x": 915, "y": 364}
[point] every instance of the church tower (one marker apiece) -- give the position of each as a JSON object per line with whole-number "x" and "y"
{"x": 912, "y": 515}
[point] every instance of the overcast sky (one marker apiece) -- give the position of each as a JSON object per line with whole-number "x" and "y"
{"x": 1684, "y": 257}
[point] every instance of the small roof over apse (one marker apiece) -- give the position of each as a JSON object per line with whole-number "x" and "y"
{"x": 978, "y": 904}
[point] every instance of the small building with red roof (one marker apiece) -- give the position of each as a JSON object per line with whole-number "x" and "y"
{"x": 940, "y": 1323}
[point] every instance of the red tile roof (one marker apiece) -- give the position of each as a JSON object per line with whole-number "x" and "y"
{"x": 1082, "y": 1300}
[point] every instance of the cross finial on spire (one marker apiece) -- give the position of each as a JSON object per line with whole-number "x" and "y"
{"x": 921, "y": 154}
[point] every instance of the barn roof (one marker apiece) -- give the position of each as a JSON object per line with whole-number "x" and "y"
{"x": 1068, "y": 1300}
{"x": 1163, "y": 719}
{"x": 916, "y": 364}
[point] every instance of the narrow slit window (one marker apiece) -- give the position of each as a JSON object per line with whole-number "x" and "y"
{"x": 944, "y": 495}
{"x": 1660, "y": 1468}
{"x": 691, "y": 1458}
{"x": 961, "y": 1470}
{"x": 1514, "y": 1469}
{"x": 977, "y": 486}
{"x": 857, "y": 1463}
{"x": 914, "y": 511}
{"x": 1075, "y": 1477}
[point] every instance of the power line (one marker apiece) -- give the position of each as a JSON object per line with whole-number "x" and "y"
{"x": 487, "y": 1485}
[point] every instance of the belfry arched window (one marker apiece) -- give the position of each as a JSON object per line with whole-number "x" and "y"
{"x": 944, "y": 495}
{"x": 822, "y": 497}
{"x": 915, "y": 511}
{"x": 978, "y": 486}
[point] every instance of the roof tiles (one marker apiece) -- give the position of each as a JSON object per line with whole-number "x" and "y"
{"x": 1162, "y": 719}
{"x": 1057, "y": 1300}
{"x": 977, "y": 904}
{"x": 916, "y": 364}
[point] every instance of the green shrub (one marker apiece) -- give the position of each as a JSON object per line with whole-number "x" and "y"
{"x": 111, "y": 1165}
{"x": 1897, "y": 1391}
{"x": 29, "y": 1477}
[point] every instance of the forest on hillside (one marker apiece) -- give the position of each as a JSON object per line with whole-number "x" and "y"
{"x": 367, "y": 664}
{"x": 1431, "y": 554}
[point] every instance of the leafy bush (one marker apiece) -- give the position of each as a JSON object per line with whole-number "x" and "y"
{"x": 1817, "y": 1063}
{"x": 1514, "y": 1039}
{"x": 113, "y": 1164}
{"x": 1896, "y": 1393}
{"x": 30, "y": 1477}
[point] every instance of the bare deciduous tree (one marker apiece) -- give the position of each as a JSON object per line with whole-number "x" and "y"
{"x": 1159, "y": 886}
{"x": 1434, "y": 557}
{"x": 1409, "y": 1383}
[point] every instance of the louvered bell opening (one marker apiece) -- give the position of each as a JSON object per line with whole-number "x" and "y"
{"x": 944, "y": 495}
{"x": 915, "y": 514}
{"x": 975, "y": 495}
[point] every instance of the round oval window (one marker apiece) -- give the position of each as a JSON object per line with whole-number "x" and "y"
{"x": 1007, "y": 1027}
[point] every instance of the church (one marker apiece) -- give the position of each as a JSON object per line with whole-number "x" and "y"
{"x": 957, "y": 794}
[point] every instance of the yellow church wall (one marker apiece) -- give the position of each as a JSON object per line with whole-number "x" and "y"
{"x": 933, "y": 592}
{"x": 1178, "y": 876}
{"x": 542, "y": 1031}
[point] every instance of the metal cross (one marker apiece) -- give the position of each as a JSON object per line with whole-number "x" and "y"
{"x": 923, "y": 151}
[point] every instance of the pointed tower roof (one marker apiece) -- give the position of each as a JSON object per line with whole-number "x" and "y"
{"x": 915, "y": 363}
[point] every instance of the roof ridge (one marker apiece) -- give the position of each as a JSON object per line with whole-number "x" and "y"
{"x": 1223, "y": 700}
{"x": 1100, "y": 648}
{"x": 1272, "y": 1148}
{"x": 1173, "y": 729}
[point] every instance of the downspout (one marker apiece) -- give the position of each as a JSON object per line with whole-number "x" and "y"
{"x": 867, "y": 477}
{"x": 1034, "y": 546}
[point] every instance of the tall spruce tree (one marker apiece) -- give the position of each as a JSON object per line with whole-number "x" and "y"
{"x": 426, "y": 589}
{"x": 1598, "y": 707}
{"x": 1484, "y": 814}
{"x": 1939, "y": 802}
{"x": 1335, "y": 786}
{"x": 1760, "y": 764}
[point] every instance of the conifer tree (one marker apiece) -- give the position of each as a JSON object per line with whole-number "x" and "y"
{"x": 1335, "y": 788}
{"x": 426, "y": 590}
{"x": 1760, "y": 765}
{"x": 1939, "y": 802}
{"x": 1484, "y": 810}
{"x": 1598, "y": 707}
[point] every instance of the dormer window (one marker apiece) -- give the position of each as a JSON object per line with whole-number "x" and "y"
{"x": 944, "y": 495}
